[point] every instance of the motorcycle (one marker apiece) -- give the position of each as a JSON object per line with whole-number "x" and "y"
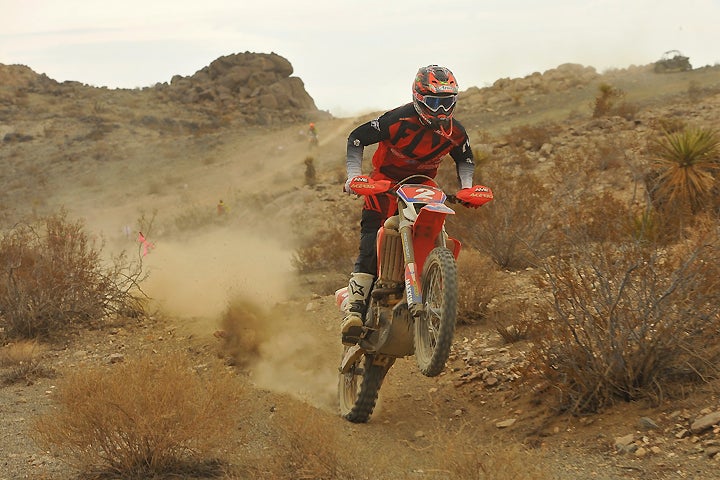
{"x": 412, "y": 306}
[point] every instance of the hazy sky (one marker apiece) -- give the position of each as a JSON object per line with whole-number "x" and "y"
{"x": 353, "y": 55}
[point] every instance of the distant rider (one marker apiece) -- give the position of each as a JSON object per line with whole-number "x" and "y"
{"x": 312, "y": 131}
{"x": 412, "y": 139}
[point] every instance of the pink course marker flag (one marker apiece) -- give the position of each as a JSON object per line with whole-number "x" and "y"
{"x": 146, "y": 244}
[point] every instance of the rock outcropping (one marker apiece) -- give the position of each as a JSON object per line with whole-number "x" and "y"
{"x": 259, "y": 85}
{"x": 243, "y": 89}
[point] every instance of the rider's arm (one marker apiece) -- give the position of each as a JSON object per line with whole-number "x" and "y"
{"x": 464, "y": 163}
{"x": 368, "y": 133}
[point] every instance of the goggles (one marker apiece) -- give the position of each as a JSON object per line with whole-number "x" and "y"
{"x": 435, "y": 103}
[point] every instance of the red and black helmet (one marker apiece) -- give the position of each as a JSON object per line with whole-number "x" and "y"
{"x": 434, "y": 95}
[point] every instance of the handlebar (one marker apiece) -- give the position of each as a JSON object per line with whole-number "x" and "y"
{"x": 474, "y": 196}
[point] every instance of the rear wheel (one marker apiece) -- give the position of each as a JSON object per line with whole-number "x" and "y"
{"x": 435, "y": 327}
{"x": 358, "y": 389}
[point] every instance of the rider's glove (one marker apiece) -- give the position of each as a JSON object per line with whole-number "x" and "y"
{"x": 347, "y": 188}
{"x": 459, "y": 195}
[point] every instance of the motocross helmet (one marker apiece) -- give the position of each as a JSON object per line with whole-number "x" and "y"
{"x": 434, "y": 95}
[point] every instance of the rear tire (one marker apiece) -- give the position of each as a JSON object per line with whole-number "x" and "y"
{"x": 358, "y": 389}
{"x": 435, "y": 327}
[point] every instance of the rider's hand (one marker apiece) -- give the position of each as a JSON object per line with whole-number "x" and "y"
{"x": 346, "y": 187}
{"x": 355, "y": 178}
{"x": 478, "y": 193}
{"x": 461, "y": 202}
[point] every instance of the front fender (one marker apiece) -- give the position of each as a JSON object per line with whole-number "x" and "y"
{"x": 427, "y": 227}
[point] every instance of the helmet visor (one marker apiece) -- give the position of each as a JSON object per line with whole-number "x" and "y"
{"x": 436, "y": 103}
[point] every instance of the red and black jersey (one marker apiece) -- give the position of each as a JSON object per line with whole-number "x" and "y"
{"x": 408, "y": 147}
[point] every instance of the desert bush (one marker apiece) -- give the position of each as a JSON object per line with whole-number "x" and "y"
{"x": 684, "y": 169}
{"x": 628, "y": 320}
{"x": 478, "y": 284}
{"x": 331, "y": 247}
{"x": 145, "y": 417}
{"x": 243, "y": 326}
{"x": 310, "y": 172}
{"x": 598, "y": 218}
{"x": 327, "y": 245}
{"x": 606, "y": 100}
{"x": 53, "y": 277}
{"x": 511, "y": 229}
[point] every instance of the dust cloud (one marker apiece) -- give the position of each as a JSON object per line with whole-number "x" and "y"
{"x": 194, "y": 278}
{"x": 237, "y": 285}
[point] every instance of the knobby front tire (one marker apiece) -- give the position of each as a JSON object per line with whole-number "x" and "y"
{"x": 435, "y": 327}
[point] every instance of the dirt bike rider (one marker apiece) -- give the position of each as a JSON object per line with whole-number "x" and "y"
{"x": 312, "y": 132}
{"x": 412, "y": 139}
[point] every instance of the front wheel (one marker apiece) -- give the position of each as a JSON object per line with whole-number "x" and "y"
{"x": 358, "y": 388}
{"x": 435, "y": 326}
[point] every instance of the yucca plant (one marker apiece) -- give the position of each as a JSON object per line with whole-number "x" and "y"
{"x": 685, "y": 167}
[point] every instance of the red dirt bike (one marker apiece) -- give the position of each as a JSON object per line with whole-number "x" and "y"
{"x": 407, "y": 314}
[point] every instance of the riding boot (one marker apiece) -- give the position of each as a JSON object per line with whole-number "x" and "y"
{"x": 358, "y": 291}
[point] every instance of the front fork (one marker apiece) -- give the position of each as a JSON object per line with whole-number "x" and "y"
{"x": 413, "y": 287}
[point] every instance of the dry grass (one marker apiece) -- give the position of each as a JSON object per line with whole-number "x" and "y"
{"x": 310, "y": 446}
{"x": 23, "y": 362}
{"x": 146, "y": 417}
{"x": 516, "y": 320}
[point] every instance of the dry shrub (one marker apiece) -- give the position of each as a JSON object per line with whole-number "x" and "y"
{"x": 515, "y": 320}
{"x": 310, "y": 172}
{"x": 610, "y": 101}
{"x": 331, "y": 247}
{"x": 23, "y": 361}
{"x": 511, "y": 229}
{"x": 53, "y": 278}
{"x": 478, "y": 284}
{"x": 629, "y": 320}
{"x": 330, "y": 244}
{"x": 599, "y": 218}
{"x": 146, "y": 417}
{"x": 243, "y": 327}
